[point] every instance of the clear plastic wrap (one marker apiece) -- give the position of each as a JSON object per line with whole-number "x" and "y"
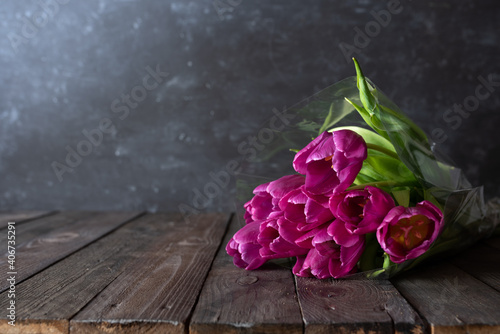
{"x": 411, "y": 162}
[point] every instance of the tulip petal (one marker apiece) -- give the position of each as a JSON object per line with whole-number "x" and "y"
{"x": 299, "y": 161}
{"x": 341, "y": 235}
{"x": 265, "y": 204}
{"x": 331, "y": 161}
{"x": 248, "y": 233}
{"x": 321, "y": 178}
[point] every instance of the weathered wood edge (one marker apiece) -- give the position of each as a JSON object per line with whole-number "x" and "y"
{"x": 126, "y": 327}
{"x": 22, "y": 217}
{"x": 31, "y": 326}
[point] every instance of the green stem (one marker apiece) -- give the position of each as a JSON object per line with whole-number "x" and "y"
{"x": 367, "y": 260}
{"x": 383, "y": 150}
{"x": 387, "y": 261}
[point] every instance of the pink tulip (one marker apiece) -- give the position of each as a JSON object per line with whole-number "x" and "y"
{"x": 335, "y": 252}
{"x": 331, "y": 162}
{"x": 277, "y": 239}
{"x": 362, "y": 210}
{"x": 407, "y": 233}
{"x": 265, "y": 202}
{"x": 244, "y": 247}
{"x": 305, "y": 210}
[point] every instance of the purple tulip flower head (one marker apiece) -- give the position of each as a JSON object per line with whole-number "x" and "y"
{"x": 331, "y": 161}
{"x": 335, "y": 252}
{"x": 277, "y": 238}
{"x": 362, "y": 210}
{"x": 407, "y": 233}
{"x": 306, "y": 210}
{"x": 244, "y": 247}
{"x": 267, "y": 196}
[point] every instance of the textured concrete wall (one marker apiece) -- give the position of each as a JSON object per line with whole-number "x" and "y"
{"x": 168, "y": 90}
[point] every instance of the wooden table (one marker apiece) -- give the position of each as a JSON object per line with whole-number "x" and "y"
{"x": 131, "y": 272}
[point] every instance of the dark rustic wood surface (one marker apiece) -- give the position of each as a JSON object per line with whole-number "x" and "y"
{"x": 235, "y": 300}
{"x": 478, "y": 262}
{"x": 351, "y": 305}
{"x": 20, "y": 217}
{"x": 90, "y": 272}
{"x": 451, "y": 300}
{"x": 161, "y": 281}
{"x": 42, "y": 242}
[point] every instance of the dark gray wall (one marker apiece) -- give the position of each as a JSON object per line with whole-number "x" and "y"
{"x": 68, "y": 66}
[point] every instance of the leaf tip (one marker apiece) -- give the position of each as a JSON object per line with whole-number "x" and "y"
{"x": 359, "y": 73}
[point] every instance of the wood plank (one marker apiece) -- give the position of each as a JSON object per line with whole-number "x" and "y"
{"x": 450, "y": 300}
{"x": 237, "y": 301}
{"x": 482, "y": 262}
{"x": 157, "y": 291}
{"x": 51, "y": 298}
{"x": 41, "y": 242}
{"x": 20, "y": 217}
{"x": 355, "y": 305}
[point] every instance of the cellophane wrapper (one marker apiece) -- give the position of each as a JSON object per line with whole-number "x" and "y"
{"x": 467, "y": 217}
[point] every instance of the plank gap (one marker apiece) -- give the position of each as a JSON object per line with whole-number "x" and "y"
{"x": 21, "y": 277}
{"x": 299, "y": 302}
{"x": 234, "y": 300}
{"x": 221, "y": 244}
{"x": 448, "y": 298}
{"x": 160, "y": 281}
{"x": 22, "y": 217}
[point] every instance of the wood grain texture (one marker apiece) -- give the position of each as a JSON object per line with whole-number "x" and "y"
{"x": 52, "y": 297}
{"x": 450, "y": 300}
{"x": 20, "y": 217}
{"x": 483, "y": 262}
{"x": 355, "y": 305}
{"x": 237, "y": 301}
{"x": 41, "y": 242}
{"x": 157, "y": 274}
{"x": 158, "y": 290}
{"x": 49, "y": 299}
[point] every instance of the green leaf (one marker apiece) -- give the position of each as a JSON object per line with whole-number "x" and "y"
{"x": 365, "y": 95}
{"x": 410, "y": 142}
{"x": 402, "y": 196}
{"x": 328, "y": 121}
{"x": 399, "y": 119}
{"x": 388, "y": 168}
{"x": 366, "y": 176}
{"x": 428, "y": 196}
{"x": 369, "y": 137}
{"x": 368, "y": 118}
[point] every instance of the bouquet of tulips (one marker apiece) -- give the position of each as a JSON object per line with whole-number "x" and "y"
{"x": 373, "y": 198}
